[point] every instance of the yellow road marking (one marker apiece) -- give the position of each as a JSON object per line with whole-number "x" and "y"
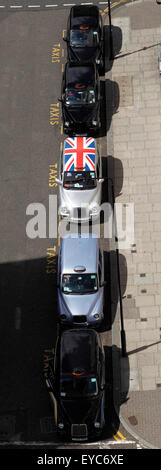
{"x": 63, "y": 33}
{"x": 116, "y": 438}
{"x": 113, "y": 5}
{"x": 119, "y": 437}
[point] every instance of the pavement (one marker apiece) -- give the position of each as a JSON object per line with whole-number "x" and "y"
{"x": 134, "y": 148}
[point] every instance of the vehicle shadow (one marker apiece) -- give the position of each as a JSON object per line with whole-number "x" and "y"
{"x": 117, "y": 387}
{"x": 112, "y": 263}
{"x": 111, "y": 166}
{"x": 112, "y": 45}
{"x": 28, "y": 331}
{"x": 110, "y": 98}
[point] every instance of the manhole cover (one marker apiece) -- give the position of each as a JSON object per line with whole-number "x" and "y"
{"x": 133, "y": 420}
{"x": 125, "y": 85}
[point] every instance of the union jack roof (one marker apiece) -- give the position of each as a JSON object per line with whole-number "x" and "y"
{"x": 79, "y": 154}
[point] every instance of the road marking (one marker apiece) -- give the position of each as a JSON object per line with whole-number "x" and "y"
{"x": 51, "y": 261}
{"x": 121, "y": 436}
{"x": 113, "y": 5}
{"x": 52, "y": 443}
{"x": 63, "y": 33}
{"x": 54, "y": 114}
{"x": 47, "y": 6}
{"x": 16, "y": 6}
{"x": 2, "y": 6}
{"x": 56, "y": 53}
{"x": 33, "y": 6}
{"x": 53, "y": 173}
{"x": 120, "y": 441}
{"x": 116, "y": 438}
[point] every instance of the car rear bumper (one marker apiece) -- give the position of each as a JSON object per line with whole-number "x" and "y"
{"x": 80, "y": 130}
{"x": 81, "y": 220}
{"x": 94, "y": 322}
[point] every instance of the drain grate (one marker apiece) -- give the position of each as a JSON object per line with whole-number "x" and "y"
{"x": 125, "y": 85}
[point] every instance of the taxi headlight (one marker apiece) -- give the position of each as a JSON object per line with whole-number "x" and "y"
{"x": 60, "y": 425}
{"x": 97, "y": 424}
{"x": 67, "y": 123}
{"x": 96, "y": 315}
{"x": 94, "y": 210}
{"x": 94, "y": 122}
{"x": 64, "y": 211}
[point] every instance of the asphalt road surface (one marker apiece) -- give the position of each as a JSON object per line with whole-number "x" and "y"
{"x": 32, "y": 57}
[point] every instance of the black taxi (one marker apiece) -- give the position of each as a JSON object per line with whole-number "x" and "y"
{"x": 85, "y": 35}
{"x": 76, "y": 383}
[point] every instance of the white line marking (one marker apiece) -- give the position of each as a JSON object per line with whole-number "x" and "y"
{"x": 89, "y": 3}
{"x": 16, "y": 6}
{"x": 68, "y": 4}
{"x": 2, "y": 6}
{"x": 47, "y": 6}
{"x": 33, "y": 6}
{"x": 52, "y": 443}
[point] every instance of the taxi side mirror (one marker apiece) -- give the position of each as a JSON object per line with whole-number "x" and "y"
{"x": 48, "y": 385}
{"x": 103, "y": 284}
{"x": 101, "y": 180}
{"x": 58, "y": 181}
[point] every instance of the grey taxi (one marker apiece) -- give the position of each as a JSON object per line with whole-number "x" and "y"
{"x": 80, "y": 280}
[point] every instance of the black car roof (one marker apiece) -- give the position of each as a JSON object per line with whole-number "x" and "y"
{"x": 76, "y": 74}
{"x": 78, "y": 351}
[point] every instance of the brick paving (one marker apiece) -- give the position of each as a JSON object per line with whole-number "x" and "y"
{"x": 134, "y": 140}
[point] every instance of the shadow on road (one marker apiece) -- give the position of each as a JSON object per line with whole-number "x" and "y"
{"x": 111, "y": 50}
